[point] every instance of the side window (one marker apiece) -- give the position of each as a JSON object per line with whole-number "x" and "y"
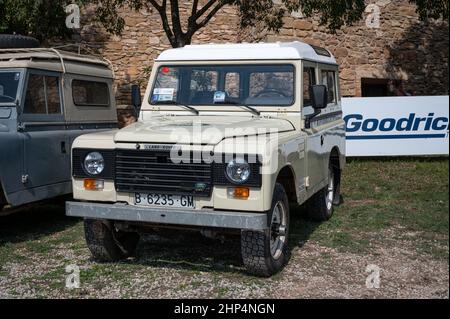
{"x": 90, "y": 93}
{"x": 272, "y": 84}
{"x": 328, "y": 79}
{"x": 52, "y": 89}
{"x": 42, "y": 96}
{"x": 309, "y": 79}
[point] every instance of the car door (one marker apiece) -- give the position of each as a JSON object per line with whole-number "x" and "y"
{"x": 317, "y": 144}
{"x": 313, "y": 149}
{"x": 46, "y": 153}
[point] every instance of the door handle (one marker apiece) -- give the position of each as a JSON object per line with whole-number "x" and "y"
{"x": 63, "y": 148}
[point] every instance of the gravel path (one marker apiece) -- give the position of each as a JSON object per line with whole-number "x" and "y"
{"x": 189, "y": 266}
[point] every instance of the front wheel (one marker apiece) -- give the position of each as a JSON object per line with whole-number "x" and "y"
{"x": 108, "y": 244}
{"x": 265, "y": 253}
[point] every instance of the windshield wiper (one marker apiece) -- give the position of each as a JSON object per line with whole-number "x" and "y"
{"x": 177, "y": 104}
{"x": 248, "y": 107}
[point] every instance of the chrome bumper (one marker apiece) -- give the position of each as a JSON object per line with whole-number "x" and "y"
{"x": 167, "y": 216}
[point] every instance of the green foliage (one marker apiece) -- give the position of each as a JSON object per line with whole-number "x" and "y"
{"x": 333, "y": 14}
{"x": 432, "y": 9}
{"x": 39, "y": 18}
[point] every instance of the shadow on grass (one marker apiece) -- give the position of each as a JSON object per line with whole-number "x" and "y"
{"x": 34, "y": 222}
{"x": 191, "y": 251}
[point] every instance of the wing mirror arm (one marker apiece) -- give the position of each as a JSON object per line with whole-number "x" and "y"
{"x": 136, "y": 100}
{"x": 319, "y": 99}
{"x": 310, "y": 117}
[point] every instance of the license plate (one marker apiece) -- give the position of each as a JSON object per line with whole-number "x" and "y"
{"x": 164, "y": 200}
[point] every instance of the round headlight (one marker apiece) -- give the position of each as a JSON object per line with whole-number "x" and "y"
{"x": 238, "y": 171}
{"x": 94, "y": 163}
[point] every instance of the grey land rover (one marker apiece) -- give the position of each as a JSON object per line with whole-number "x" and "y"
{"x": 48, "y": 97}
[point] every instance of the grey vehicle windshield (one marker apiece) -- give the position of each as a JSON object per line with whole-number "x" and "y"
{"x": 9, "y": 83}
{"x": 257, "y": 85}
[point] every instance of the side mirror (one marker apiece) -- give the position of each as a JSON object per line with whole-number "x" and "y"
{"x": 319, "y": 96}
{"x": 319, "y": 99}
{"x": 136, "y": 98}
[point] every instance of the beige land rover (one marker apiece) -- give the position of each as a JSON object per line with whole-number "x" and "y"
{"x": 228, "y": 137}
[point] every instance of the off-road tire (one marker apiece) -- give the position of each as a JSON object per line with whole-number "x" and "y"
{"x": 13, "y": 41}
{"x": 107, "y": 244}
{"x": 337, "y": 199}
{"x": 255, "y": 245}
{"x": 316, "y": 207}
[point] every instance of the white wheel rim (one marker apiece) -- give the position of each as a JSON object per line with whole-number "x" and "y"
{"x": 330, "y": 191}
{"x": 278, "y": 229}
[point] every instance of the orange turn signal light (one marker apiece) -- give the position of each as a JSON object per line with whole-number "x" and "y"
{"x": 239, "y": 192}
{"x": 91, "y": 184}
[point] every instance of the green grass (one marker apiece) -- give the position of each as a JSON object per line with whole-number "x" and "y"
{"x": 407, "y": 195}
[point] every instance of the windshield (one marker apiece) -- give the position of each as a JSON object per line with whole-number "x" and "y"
{"x": 257, "y": 85}
{"x": 9, "y": 83}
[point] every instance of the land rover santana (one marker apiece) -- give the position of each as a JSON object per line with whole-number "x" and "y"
{"x": 228, "y": 137}
{"x": 47, "y": 98}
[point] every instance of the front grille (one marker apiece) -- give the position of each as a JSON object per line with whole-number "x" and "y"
{"x": 151, "y": 171}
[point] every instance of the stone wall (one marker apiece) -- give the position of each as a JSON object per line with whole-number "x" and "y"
{"x": 401, "y": 48}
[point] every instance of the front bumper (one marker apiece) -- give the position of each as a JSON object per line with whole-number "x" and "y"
{"x": 167, "y": 216}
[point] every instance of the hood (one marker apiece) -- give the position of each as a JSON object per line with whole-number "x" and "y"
{"x": 199, "y": 129}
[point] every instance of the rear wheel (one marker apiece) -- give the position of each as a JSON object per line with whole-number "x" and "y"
{"x": 108, "y": 244}
{"x": 265, "y": 253}
{"x": 320, "y": 205}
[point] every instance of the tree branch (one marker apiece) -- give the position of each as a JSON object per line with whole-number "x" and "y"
{"x": 194, "y": 8}
{"x": 212, "y": 13}
{"x": 155, "y": 4}
{"x": 175, "y": 13}
{"x": 205, "y": 8}
{"x": 165, "y": 21}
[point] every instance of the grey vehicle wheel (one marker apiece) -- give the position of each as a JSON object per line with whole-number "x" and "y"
{"x": 320, "y": 206}
{"x": 108, "y": 244}
{"x": 265, "y": 253}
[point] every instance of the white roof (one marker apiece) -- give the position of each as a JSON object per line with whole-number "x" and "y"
{"x": 248, "y": 51}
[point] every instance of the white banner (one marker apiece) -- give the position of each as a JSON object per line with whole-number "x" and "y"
{"x": 396, "y": 126}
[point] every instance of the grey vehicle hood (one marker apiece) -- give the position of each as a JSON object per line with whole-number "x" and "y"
{"x": 199, "y": 129}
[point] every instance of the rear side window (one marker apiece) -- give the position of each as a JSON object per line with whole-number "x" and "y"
{"x": 309, "y": 79}
{"x": 90, "y": 93}
{"x": 42, "y": 95}
{"x": 329, "y": 80}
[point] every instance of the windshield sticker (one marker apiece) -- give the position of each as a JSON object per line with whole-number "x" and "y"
{"x": 163, "y": 94}
{"x": 219, "y": 96}
{"x": 16, "y": 77}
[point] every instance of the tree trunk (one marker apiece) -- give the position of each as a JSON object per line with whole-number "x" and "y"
{"x": 180, "y": 40}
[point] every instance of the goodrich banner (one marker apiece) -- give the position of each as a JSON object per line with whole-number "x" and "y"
{"x": 397, "y": 126}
